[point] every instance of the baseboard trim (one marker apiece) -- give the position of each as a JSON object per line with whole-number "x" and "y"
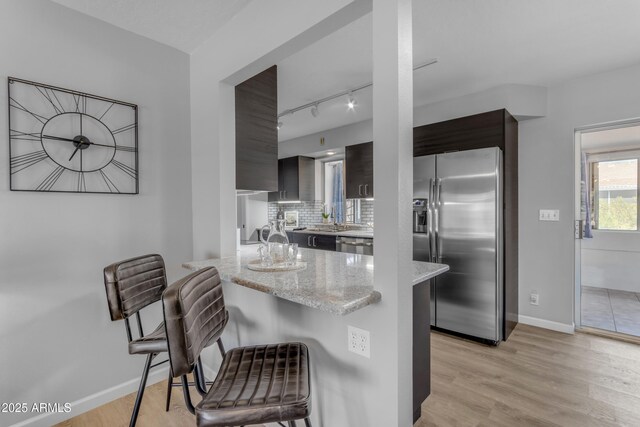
{"x": 547, "y": 324}
{"x": 608, "y": 334}
{"x": 90, "y": 402}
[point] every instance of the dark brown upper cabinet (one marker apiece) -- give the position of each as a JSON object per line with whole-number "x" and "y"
{"x": 358, "y": 167}
{"x": 257, "y": 133}
{"x": 464, "y": 133}
{"x": 296, "y": 180}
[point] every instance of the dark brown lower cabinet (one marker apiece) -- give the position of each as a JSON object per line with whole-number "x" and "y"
{"x": 299, "y": 238}
{"x": 313, "y": 241}
{"x": 421, "y": 345}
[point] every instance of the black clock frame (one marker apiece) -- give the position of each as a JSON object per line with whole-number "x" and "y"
{"x": 81, "y": 96}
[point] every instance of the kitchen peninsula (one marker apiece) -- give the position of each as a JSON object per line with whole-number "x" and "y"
{"x": 337, "y": 283}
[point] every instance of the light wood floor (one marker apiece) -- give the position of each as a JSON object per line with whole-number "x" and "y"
{"x": 537, "y": 378}
{"x": 152, "y": 413}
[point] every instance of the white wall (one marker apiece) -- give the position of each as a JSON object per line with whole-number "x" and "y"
{"x": 57, "y": 343}
{"x": 547, "y": 181}
{"x": 611, "y": 259}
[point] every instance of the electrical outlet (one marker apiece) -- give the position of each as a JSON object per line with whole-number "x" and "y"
{"x": 359, "y": 341}
{"x": 534, "y": 298}
{"x": 549, "y": 215}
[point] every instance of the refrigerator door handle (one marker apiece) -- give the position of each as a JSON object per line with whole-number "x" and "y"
{"x": 436, "y": 236}
{"x": 430, "y": 209}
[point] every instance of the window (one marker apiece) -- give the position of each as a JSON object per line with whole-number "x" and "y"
{"x": 614, "y": 193}
{"x": 334, "y": 197}
{"x": 352, "y": 211}
{"x": 345, "y": 210}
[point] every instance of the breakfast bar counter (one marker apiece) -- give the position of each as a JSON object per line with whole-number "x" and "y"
{"x": 334, "y": 282}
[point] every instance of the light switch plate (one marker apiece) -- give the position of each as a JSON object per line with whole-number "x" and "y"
{"x": 534, "y": 298}
{"x": 549, "y": 215}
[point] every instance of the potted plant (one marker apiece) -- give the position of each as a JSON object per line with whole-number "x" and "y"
{"x": 325, "y": 214}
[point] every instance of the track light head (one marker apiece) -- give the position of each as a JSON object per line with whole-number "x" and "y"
{"x": 280, "y": 124}
{"x": 351, "y": 104}
{"x": 315, "y": 111}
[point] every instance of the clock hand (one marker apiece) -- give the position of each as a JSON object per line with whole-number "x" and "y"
{"x": 100, "y": 145}
{"x": 75, "y": 151}
{"x": 58, "y": 138}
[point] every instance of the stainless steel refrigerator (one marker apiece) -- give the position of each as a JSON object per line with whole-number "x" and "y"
{"x": 457, "y": 211}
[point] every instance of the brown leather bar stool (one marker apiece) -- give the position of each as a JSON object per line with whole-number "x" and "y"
{"x": 258, "y": 384}
{"x": 132, "y": 285}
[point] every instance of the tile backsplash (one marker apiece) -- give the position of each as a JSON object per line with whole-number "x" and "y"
{"x": 309, "y": 213}
{"x": 366, "y": 211}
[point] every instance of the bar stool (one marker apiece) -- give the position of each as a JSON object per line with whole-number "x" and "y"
{"x": 258, "y": 384}
{"x": 132, "y": 285}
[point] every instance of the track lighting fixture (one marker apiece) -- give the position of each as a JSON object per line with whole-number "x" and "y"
{"x": 279, "y": 125}
{"x": 351, "y": 104}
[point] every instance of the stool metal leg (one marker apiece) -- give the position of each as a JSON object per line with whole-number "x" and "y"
{"x": 292, "y": 424}
{"x": 187, "y": 395}
{"x": 198, "y": 378}
{"x": 143, "y": 384}
{"x": 169, "y": 387}
{"x": 221, "y": 347}
{"x": 307, "y": 422}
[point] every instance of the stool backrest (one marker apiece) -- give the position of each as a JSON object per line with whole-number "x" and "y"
{"x": 194, "y": 317}
{"x": 133, "y": 284}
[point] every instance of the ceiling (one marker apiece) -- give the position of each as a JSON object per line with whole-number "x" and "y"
{"x": 182, "y": 24}
{"x": 479, "y": 45}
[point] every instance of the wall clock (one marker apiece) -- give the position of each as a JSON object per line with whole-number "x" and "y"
{"x": 62, "y": 140}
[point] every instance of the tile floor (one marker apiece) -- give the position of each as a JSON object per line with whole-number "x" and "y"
{"x": 611, "y": 310}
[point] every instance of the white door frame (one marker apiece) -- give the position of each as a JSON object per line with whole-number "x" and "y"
{"x": 577, "y": 307}
{"x": 577, "y": 194}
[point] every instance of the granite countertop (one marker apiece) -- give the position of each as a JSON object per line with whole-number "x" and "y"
{"x": 335, "y": 282}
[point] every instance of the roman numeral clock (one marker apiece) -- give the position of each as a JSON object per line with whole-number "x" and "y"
{"x": 62, "y": 140}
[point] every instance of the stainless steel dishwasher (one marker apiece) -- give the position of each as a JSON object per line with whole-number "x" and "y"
{"x": 355, "y": 245}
